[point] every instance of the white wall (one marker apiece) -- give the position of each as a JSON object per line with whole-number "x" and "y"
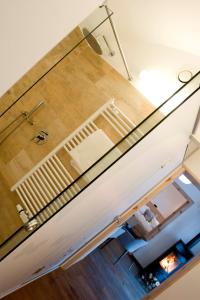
{"x": 185, "y": 288}
{"x": 29, "y": 29}
{"x": 157, "y": 36}
{"x": 168, "y": 201}
{"x": 193, "y": 164}
{"x": 163, "y": 22}
{"x": 113, "y": 192}
{"x": 151, "y": 34}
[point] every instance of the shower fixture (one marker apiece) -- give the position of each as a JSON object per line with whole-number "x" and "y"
{"x": 41, "y": 137}
{"x": 111, "y": 52}
{"x": 117, "y": 40}
{"x": 29, "y": 224}
{"x": 18, "y": 121}
{"x": 95, "y": 44}
{"x": 92, "y": 41}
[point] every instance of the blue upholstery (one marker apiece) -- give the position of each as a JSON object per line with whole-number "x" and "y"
{"x": 130, "y": 243}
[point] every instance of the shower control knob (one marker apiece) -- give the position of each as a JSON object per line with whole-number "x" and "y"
{"x": 41, "y": 137}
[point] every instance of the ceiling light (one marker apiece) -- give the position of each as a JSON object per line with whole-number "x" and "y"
{"x": 156, "y": 85}
{"x": 184, "y": 76}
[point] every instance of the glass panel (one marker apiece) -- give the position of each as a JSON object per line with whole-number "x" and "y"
{"x": 39, "y": 105}
{"x": 41, "y": 112}
{"x": 76, "y": 99}
{"x": 53, "y": 57}
{"x": 103, "y": 163}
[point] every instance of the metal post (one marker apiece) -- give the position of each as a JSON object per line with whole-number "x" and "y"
{"x": 118, "y": 43}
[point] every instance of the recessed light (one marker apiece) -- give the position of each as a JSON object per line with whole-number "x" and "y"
{"x": 184, "y": 76}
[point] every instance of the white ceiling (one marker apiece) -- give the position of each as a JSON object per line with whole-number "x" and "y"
{"x": 158, "y": 37}
{"x": 173, "y": 23}
{"x": 29, "y": 29}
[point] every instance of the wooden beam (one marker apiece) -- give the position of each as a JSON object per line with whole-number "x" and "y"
{"x": 94, "y": 242}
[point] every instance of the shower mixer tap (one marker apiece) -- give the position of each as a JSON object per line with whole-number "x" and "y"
{"x": 17, "y": 122}
{"x": 41, "y": 137}
{"x": 26, "y": 115}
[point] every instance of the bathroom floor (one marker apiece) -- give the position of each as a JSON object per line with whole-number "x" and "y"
{"x": 72, "y": 91}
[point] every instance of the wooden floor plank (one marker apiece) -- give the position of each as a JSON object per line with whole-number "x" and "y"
{"x": 94, "y": 278}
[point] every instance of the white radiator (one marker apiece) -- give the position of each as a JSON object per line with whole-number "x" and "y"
{"x": 50, "y": 176}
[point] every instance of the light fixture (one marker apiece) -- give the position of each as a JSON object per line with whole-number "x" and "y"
{"x": 184, "y": 76}
{"x": 156, "y": 85}
{"x": 184, "y": 179}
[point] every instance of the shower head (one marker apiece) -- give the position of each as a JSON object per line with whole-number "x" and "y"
{"x": 92, "y": 41}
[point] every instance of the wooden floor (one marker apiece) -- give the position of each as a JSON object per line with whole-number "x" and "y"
{"x": 94, "y": 278}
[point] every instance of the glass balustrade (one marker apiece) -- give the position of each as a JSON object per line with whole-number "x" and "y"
{"x": 66, "y": 122}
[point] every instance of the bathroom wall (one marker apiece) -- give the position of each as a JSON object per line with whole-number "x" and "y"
{"x": 9, "y": 218}
{"x": 29, "y": 30}
{"x": 152, "y": 38}
{"x": 72, "y": 91}
{"x": 152, "y": 60}
{"x": 164, "y": 23}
